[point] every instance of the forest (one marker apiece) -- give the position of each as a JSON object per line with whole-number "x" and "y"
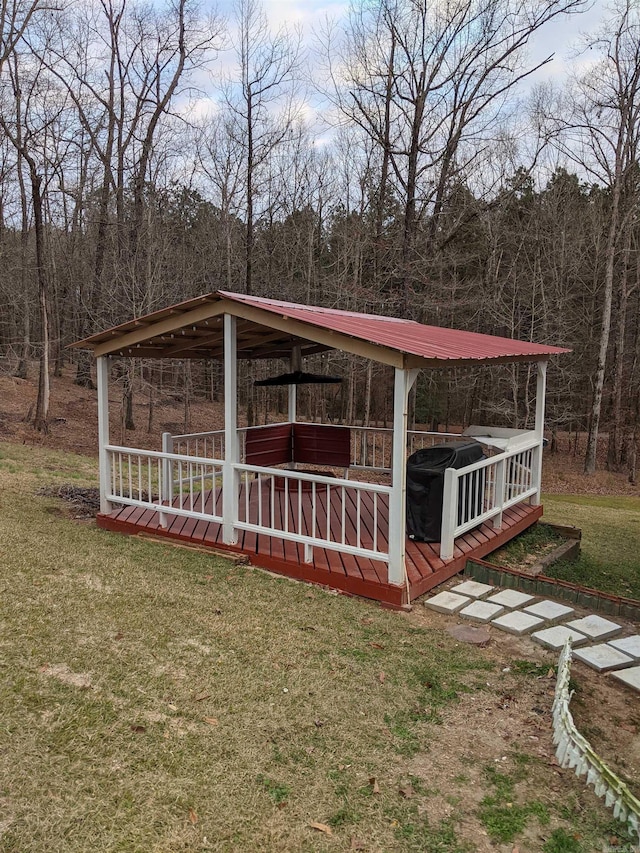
{"x": 404, "y": 160}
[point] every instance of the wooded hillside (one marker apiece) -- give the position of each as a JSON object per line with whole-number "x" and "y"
{"x": 442, "y": 193}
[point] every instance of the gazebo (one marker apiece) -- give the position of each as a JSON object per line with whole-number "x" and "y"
{"x": 246, "y": 489}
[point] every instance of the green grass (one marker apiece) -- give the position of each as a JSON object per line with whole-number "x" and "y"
{"x": 537, "y": 540}
{"x": 504, "y": 818}
{"x": 157, "y": 700}
{"x": 610, "y": 558}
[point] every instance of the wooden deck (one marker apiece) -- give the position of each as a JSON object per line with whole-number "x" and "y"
{"x": 346, "y": 572}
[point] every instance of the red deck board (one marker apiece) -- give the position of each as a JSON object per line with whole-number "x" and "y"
{"x": 372, "y": 569}
{"x": 346, "y": 572}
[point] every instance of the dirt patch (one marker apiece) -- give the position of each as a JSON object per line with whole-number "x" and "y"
{"x": 85, "y": 502}
{"x": 509, "y": 724}
{"x": 64, "y": 674}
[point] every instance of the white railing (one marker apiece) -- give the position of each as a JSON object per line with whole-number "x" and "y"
{"x": 482, "y": 491}
{"x": 370, "y": 446}
{"x": 475, "y": 494}
{"x": 574, "y": 751}
{"x": 327, "y": 512}
{"x": 152, "y": 480}
{"x": 207, "y": 445}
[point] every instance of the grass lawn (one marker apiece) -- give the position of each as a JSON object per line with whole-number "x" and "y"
{"x": 610, "y": 558}
{"x": 158, "y": 699}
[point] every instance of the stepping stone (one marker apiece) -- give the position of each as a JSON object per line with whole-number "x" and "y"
{"x": 474, "y": 589}
{"x": 481, "y": 611}
{"x": 595, "y": 627}
{"x": 469, "y": 634}
{"x": 603, "y": 658}
{"x": 510, "y": 598}
{"x": 517, "y": 622}
{"x": 555, "y": 637}
{"x": 447, "y": 602}
{"x": 550, "y": 611}
{"x": 630, "y": 677}
{"x": 629, "y": 645}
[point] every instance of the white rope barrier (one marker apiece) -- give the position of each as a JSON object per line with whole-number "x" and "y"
{"x": 574, "y": 752}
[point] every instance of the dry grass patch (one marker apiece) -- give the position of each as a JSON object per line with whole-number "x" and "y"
{"x": 157, "y": 699}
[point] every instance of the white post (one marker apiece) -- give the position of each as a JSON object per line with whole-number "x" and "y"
{"x": 293, "y": 398}
{"x": 499, "y": 493}
{"x": 536, "y": 472}
{"x": 449, "y": 513}
{"x": 229, "y": 475}
{"x": 166, "y": 490}
{"x": 295, "y": 364}
{"x": 102, "y": 375}
{"x": 403, "y": 381}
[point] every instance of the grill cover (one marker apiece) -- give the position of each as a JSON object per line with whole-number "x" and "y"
{"x": 425, "y": 487}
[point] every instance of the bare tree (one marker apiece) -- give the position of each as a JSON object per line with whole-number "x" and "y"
{"x": 262, "y": 100}
{"x": 428, "y": 83}
{"x": 37, "y": 106}
{"x": 602, "y": 134}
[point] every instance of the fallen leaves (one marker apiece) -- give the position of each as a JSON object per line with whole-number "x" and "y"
{"x": 375, "y": 788}
{"x": 321, "y": 827}
{"x": 407, "y": 791}
{"x": 381, "y": 677}
{"x": 211, "y": 721}
{"x": 193, "y": 817}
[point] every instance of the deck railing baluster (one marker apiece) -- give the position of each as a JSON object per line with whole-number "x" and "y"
{"x": 328, "y": 536}
{"x": 272, "y": 492}
{"x": 285, "y": 510}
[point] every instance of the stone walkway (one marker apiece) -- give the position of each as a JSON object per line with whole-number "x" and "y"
{"x": 596, "y": 641}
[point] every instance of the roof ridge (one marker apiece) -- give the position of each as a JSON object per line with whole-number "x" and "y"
{"x": 318, "y": 309}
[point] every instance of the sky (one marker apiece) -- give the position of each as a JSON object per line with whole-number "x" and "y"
{"x": 560, "y": 37}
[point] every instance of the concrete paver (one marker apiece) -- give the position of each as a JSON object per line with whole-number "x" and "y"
{"x": 447, "y": 602}
{"x": 517, "y": 622}
{"x": 474, "y": 589}
{"x": 481, "y": 611}
{"x": 630, "y": 677}
{"x": 556, "y": 636}
{"x": 550, "y": 611}
{"x": 596, "y": 627}
{"x": 603, "y": 657}
{"x": 511, "y": 598}
{"x": 629, "y": 645}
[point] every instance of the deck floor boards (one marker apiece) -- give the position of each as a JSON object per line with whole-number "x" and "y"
{"x": 347, "y": 572}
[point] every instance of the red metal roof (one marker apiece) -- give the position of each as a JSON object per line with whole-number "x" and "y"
{"x": 407, "y": 336}
{"x": 193, "y": 329}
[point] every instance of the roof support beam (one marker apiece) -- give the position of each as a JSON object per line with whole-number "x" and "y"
{"x": 403, "y": 382}
{"x": 163, "y": 327}
{"x": 317, "y": 334}
{"x": 539, "y": 430}
{"x": 104, "y": 463}
{"x": 230, "y": 491}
